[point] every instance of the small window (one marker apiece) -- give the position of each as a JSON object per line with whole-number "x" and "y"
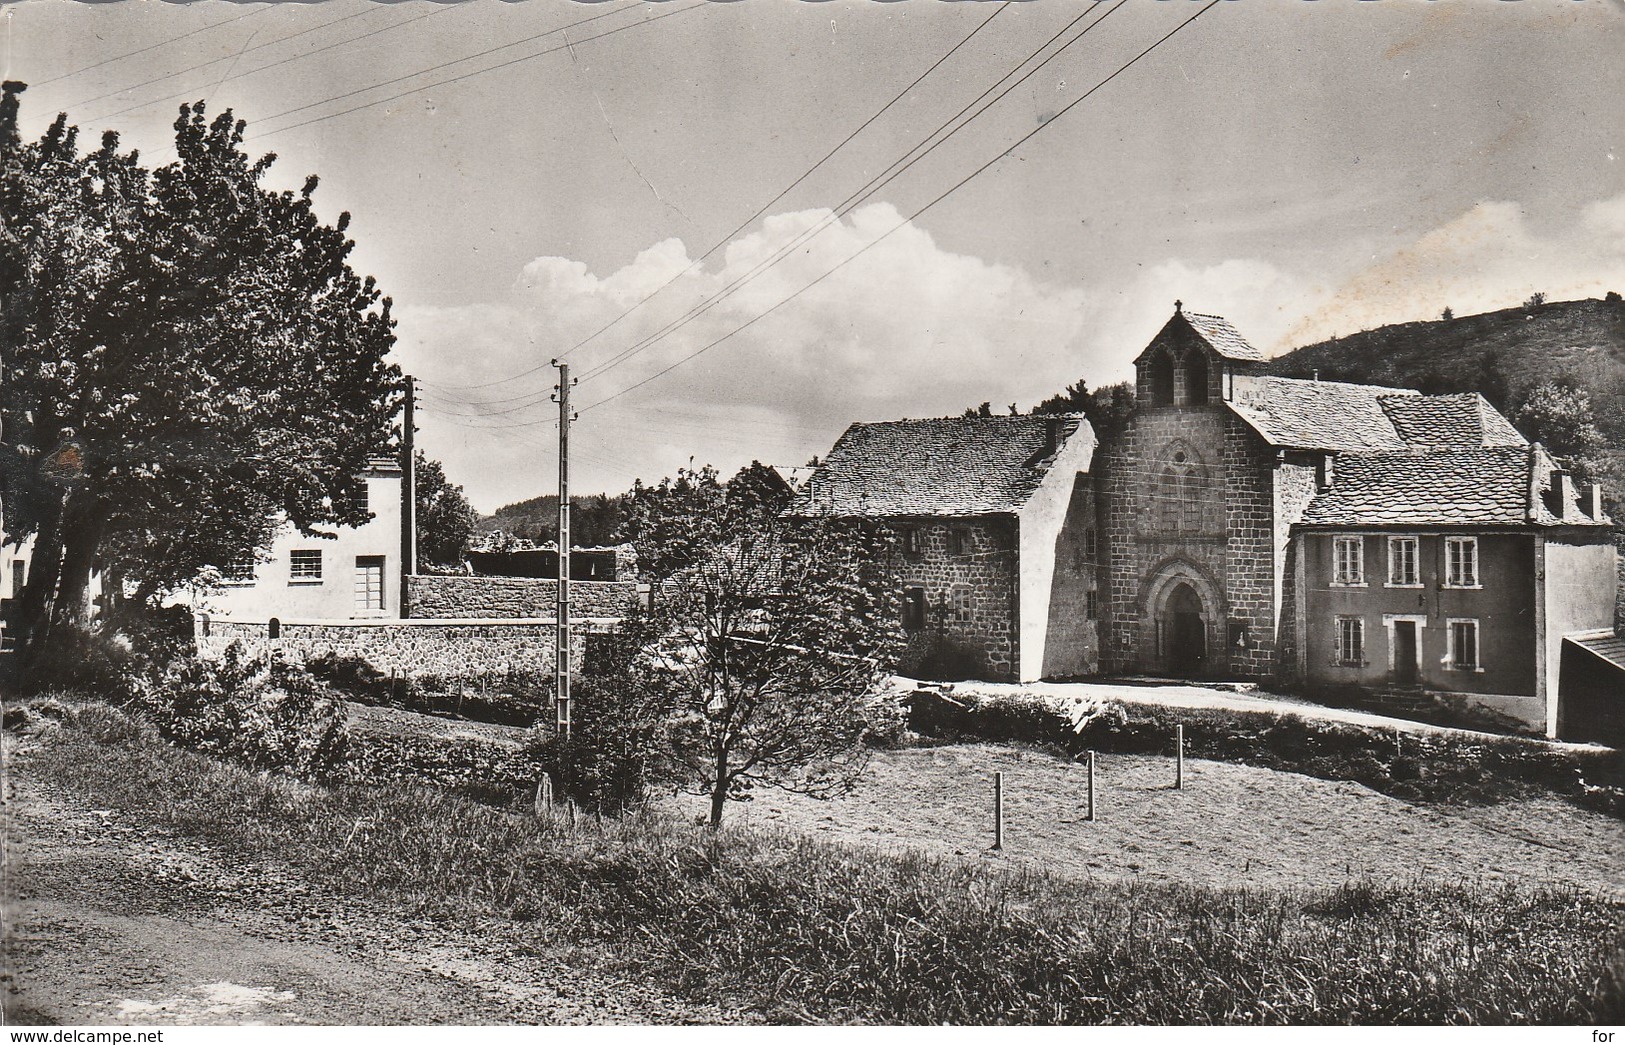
{"x": 239, "y": 570}
{"x": 1091, "y": 605}
{"x": 1091, "y": 544}
{"x": 913, "y": 608}
{"x": 1348, "y": 560}
{"x": 1402, "y": 570}
{"x": 1461, "y": 562}
{"x": 1350, "y": 641}
{"x": 305, "y": 564}
{"x": 956, "y": 541}
{"x": 1464, "y": 646}
{"x": 362, "y": 495}
{"x": 963, "y": 604}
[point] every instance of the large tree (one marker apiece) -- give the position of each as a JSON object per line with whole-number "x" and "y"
{"x": 187, "y": 356}
{"x": 445, "y": 519}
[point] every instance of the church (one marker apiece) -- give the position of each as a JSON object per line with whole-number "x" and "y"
{"x": 1241, "y": 526}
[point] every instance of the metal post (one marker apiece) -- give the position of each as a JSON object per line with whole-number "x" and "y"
{"x": 561, "y": 651}
{"x": 998, "y": 810}
{"x": 1179, "y": 757}
{"x": 1091, "y": 816}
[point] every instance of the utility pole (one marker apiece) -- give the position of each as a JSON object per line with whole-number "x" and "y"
{"x": 561, "y": 649}
{"x": 409, "y": 492}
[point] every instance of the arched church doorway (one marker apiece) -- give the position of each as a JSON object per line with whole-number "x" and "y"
{"x": 1184, "y": 632}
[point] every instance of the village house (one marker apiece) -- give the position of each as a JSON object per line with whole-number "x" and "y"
{"x": 1244, "y": 526}
{"x": 995, "y": 553}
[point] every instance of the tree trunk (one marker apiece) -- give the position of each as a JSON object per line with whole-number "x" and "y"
{"x": 63, "y": 557}
{"x": 719, "y": 788}
{"x": 34, "y": 607}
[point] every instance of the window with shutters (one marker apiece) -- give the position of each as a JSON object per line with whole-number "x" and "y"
{"x": 1350, "y": 641}
{"x": 1461, "y": 562}
{"x": 1402, "y": 563}
{"x": 1348, "y": 561}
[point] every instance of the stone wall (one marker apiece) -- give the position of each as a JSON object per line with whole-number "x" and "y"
{"x": 454, "y": 649}
{"x": 459, "y": 596}
{"x": 972, "y": 615}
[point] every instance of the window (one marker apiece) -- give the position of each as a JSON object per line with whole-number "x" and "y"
{"x": 1091, "y": 605}
{"x": 913, "y": 540}
{"x": 964, "y": 606}
{"x": 1402, "y": 563}
{"x": 369, "y": 583}
{"x": 239, "y": 571}
{"x": 361, "y": 495}
{"x": 305, "y": 565}
{"x": 1350, "y": 641}
{"x": 956, "y": 541}
{"x": 913, "y": 608}
{"x": 19, "y": 577}
{"x": 1464, "y": 646}
{"x": 1461, "y": 562}
{"x": 1091, "y": 544}
{"x": 1179, "y": 493}
{"x": 1348, "y": 560}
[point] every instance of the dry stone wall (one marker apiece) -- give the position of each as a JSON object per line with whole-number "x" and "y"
{"x": 453, "y": 596}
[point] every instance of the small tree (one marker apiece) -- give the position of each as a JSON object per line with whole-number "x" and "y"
{"x": 1560, "y": 418}
{"x": 1535, "y": 300}
{"x": 778, "y": 643}
{"x": 444, "y": 517}
{"x": 1447, "y": 315}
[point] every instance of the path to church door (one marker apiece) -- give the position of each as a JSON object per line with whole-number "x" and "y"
{"x": 1186, "y": 631}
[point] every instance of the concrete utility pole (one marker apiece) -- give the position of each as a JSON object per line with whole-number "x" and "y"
{"x": 409, "y": 491}
{"x": 561, "y": 649}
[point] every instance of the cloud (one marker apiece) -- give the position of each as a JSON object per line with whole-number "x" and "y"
{"x": 906, "y": 328}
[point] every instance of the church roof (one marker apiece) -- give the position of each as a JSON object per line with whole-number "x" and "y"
{"x": 1317, "y": 415}
{"x": 1223, "y": 338}
{"x": 1450, "y": 420}
{"x": 947, "y": 466}
{"x": 1459, "y": 486}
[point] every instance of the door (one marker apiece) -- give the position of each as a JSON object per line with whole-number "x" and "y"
{"x": 1405, "y": 652}
{"x": 1187, "y": 633}
{"x": 369, "y": 583}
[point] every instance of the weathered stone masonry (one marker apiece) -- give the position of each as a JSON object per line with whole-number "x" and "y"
{"x": 972, "y": 611}
{"x": 443, "y": 596}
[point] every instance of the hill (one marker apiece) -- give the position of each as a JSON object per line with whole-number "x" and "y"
{"x": 595, "y": 520}
{"x": 1501, "y": 354}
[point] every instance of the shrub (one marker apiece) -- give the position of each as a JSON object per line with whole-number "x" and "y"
{"x": 512, "y": 698}
{"x": 261, "y": 711}
{"x": 614, "y": 750}
{"x": 90, "y": 661}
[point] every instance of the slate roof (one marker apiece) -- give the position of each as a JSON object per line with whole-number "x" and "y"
{"x": 1317, "y": 415}
{"x": 1450, "y": 420}
{"x": 1483, "y": 486}
{"x": 948, "y": 466}
{"x": 1224, "y": 339}
{"x": 1609, "y": 647}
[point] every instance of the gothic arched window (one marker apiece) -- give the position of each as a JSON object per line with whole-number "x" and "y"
{"x": 1180, "y": 493}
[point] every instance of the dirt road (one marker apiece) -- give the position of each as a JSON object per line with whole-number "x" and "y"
{"x": 116, "y": 922}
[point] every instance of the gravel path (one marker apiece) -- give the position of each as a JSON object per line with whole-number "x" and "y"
{"x": 112, "y": 921}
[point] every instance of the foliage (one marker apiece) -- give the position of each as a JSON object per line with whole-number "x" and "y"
{"x": 445, "y": 519}
{"x": 512, "y": 698}
{"x": 1535, "y": 300}
{"x": 1417, "y": 767}
{"x": 676, "y": 522}
{"x": 1448, "y": 314}
{"x": 1559, "y": 417}
{"x": 485, "y": 771}
{"x": 188, "y": 356}
{"x": 261, "y": 711}
{"x": 595, "y": 520}
{"x": 1108, "y": 408}
{"x": 778, "y": 642}
{"x": 803, "y": 930}
{"x": 613, "y": 752}
{"x": 93, "y": 662}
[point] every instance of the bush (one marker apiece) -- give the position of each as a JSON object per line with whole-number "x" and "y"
{"x": 90, "y": 661}
{"x": 613, "y": 753}
{"x": 261, "y": 711}
{"x": 513, "y": 698}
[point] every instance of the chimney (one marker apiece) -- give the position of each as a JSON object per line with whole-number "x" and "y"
{"x": 1593, "y": 500}
{"x": 1316, "y": 373}
{"x": 1325, "y": 472}
{"x": 1562, "y": 491}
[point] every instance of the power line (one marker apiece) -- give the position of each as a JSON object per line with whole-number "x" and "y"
{"x": 954, "y": 188}
{"x": 464, "y": 76}
{"x": 726, "y": 238}
{"x": 151, "y": 47}
{"x": 874, "y": 185}
{"x": 217, "y": 61}
{"x": 301, "y": 56}
{"x": 896, "y": 169}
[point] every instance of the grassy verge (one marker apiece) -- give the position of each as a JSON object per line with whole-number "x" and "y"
{"x": 807, "y": 930}
{"x": 1445, "y": 768}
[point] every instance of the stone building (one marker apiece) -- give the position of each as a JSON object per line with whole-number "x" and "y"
{"x": 1245, "y": 526}
{"x": 994, "y": 551}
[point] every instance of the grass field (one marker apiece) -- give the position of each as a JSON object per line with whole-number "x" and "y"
{"x": 807, "y": 929}
{"x": 1232, "y": 825}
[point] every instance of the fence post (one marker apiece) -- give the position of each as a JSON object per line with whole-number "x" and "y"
{"x": 998, "y": 810}
{"x": 1179, "y": 757}
{"x": 544, "y": 794}
{"x": 1091, "y": 815}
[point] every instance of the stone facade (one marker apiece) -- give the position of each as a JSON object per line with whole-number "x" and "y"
{"x": 965, "y": 573}
{"x": 452, "y": 649}
{"x": 453, "y": 596}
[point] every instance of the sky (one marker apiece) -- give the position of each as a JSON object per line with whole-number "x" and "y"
{"x": 704, "y": 208}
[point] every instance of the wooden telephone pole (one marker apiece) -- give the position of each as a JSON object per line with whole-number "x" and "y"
{"x": 561, "y": 649}
{"x": 409, "y": 491}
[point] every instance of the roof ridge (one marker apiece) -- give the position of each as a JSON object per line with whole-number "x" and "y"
{"x": 1321, "y": 381}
